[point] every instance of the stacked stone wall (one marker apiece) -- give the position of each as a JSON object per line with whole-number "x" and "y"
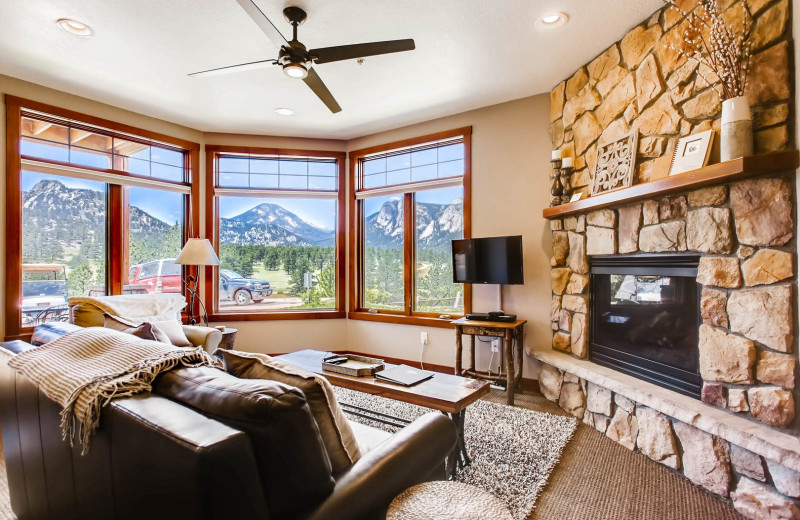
{"x": 743, "y": 230}
{"x": 640, "y": 83}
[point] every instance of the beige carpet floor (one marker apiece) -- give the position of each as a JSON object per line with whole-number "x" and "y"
{"x": 596, "y": 479}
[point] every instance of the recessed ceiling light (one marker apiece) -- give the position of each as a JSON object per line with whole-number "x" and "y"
{"x": 552, "y": 20}
{"x": 75, "y": 27}
{"x": 284, "y": 111}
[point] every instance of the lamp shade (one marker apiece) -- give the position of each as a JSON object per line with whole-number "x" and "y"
{"x": 197, "y": 251}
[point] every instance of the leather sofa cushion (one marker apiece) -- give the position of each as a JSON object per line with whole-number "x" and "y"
{"x": 337, "y": 435}
{"x": 293, "y": 465}
{"x": 47, "y": 332}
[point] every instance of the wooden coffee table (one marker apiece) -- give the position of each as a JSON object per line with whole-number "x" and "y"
{"x": 446, "y": 393}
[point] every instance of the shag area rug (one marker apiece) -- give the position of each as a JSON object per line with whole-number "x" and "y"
{"x": 513, "y": 450}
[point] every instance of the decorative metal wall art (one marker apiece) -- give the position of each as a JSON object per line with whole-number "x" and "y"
{"x": 615, "y": 164}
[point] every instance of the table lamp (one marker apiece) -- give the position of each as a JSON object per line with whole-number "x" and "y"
{"x": 197, "y": 251}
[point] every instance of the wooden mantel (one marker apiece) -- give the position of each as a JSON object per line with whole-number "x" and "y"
{"x": 736, "y": 169}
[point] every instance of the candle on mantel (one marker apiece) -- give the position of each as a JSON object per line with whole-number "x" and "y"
{"x": 556, "y": 155}
{"x": 566, "y": 162}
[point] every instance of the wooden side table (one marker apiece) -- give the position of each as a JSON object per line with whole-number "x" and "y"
{"x": 510, "y": 333}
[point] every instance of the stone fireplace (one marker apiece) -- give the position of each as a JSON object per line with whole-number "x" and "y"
{"x": 704, "y": 281}
{"x": 739, "y": 440}
{"x": 645, "y": 314}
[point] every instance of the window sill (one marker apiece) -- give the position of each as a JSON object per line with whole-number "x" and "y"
{"x": 298, "y": 315}
{"x": 403, "y": 320}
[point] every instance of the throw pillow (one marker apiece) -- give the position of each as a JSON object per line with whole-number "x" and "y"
{"x": 116, "y": 323}
{"x": 47, "y": 332}
{"x": 174, "y": 330}
{"x": 147, "y": 331}
{"x": 335, "y": 430}
{"x": 163, "y": 331}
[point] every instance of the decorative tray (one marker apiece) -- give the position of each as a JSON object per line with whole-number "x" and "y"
{"x": 357, "y": 366}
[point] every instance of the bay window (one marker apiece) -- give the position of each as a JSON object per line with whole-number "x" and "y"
{"x": 411, "y": 199}
{"x": 92, "y": 206}
{"x": 276, "y": 218}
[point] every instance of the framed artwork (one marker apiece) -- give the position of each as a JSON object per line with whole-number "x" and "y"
{"x": 692, "y": 152}
{"x": 615, "y": 164}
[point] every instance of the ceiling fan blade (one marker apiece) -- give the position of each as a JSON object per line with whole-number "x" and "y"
{"x": 233, "y": 68}
{"x": 263, "y": 22}
{"x": 359, "y": 50}
{"x": 315, "y": 83}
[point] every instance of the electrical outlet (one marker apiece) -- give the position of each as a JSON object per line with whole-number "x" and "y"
{"x": 423, "y": 338}
{"x": 495, "y": 345}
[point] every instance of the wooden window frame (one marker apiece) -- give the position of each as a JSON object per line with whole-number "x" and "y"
{"x": 212, "y": 232}
{"x": 117, "y": 222}
{"x": 408, "y": 316}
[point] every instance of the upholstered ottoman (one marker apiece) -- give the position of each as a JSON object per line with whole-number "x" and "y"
{"x": 446, "y": 500}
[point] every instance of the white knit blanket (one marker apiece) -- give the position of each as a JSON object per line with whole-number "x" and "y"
{"x": 134, "y": 307}
{"x": 84, "y": 370}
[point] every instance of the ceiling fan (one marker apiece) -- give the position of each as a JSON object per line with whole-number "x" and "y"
{"x": 296, "y": 60}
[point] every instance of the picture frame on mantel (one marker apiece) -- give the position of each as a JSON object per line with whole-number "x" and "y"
{"x": 615, "y": 165}
{"x": 692, "y": 152}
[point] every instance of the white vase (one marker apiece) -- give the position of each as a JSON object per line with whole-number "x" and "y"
{"x": 736, "y": 132}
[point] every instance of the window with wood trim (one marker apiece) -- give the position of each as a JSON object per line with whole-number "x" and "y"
{"x": 277, "y": 222}
{"x": 411, "y": 199}
{"x": 92, "y": 207}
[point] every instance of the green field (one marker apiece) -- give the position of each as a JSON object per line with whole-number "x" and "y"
{"x": 278, "y": 280}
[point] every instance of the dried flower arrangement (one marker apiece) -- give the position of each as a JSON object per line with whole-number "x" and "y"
{"x": 710, "y": 41}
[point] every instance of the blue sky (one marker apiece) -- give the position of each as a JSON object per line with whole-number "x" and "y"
{"x": 319, "y": 212}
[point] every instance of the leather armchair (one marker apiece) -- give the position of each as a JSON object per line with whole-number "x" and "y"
{"x": 207, "y": 337}
{"x": 157, "y": 457}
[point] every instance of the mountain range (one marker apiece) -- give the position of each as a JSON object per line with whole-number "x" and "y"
{"x": 75, "y": 214}
{"x": 437, "y": 224}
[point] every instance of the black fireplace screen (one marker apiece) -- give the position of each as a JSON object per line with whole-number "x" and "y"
{"x": 645, "y": 318}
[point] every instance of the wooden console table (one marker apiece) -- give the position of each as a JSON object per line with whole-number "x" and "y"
{"x": 510, "y": 333}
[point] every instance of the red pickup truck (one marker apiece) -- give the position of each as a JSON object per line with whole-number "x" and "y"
{"x": 158, "y": 276}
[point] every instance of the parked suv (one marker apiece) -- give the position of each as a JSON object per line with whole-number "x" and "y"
{"x": 158, "y": 276}
{"x": 233, "y": 286}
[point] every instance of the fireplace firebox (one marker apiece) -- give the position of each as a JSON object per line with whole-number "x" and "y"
{"x": 645, "y": 315}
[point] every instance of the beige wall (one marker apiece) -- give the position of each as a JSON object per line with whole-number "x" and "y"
{"x": 510, "y": 153}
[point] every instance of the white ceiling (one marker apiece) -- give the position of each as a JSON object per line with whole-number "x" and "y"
{"x": 469, "y": 54}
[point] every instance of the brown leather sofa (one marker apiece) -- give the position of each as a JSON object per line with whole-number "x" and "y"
{"x": 204, "y": 445}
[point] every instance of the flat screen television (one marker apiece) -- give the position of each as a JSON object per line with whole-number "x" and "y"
{"x": 496, "y": 260}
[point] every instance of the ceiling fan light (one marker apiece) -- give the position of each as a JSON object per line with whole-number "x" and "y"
{"x": 75, "y": 27}
{"x": 295, "y": 70}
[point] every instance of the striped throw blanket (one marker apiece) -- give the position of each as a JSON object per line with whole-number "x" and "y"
{"x": 84, "y": 370}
